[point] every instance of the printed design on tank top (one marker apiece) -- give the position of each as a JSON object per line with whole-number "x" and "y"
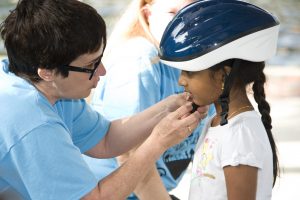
{"x": 206, "y": 156}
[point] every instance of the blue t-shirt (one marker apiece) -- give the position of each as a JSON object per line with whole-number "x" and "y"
{"x": 41, "y": 144}
{"x": 136, "y": 80}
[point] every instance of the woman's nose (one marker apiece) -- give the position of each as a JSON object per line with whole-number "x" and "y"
{"x": 101, "y": 70}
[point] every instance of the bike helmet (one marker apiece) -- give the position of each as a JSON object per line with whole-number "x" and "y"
{"x": 209, "y": 32}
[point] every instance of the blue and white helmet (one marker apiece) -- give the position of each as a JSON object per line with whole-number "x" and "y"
{"x": 208, "y": 32}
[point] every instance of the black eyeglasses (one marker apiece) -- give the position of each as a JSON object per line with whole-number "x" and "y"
{"x": 85, "y": 70}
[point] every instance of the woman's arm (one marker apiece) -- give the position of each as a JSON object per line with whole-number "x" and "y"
{"x": 152, "y": 187}
{"x": 127, "y": 133}
{"x": 241, "y": 182}
{"x": 169, "y": 131}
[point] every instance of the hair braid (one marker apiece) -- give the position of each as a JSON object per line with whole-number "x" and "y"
{"x": 264, "y": 109}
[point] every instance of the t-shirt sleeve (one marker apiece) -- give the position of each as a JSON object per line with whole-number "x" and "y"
{"x": 242, "y": 146}
{"x": 46, "y": 164}
{"x": 88, "y": 126}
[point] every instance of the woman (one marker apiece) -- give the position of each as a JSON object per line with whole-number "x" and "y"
{"x": 46, "y": 124}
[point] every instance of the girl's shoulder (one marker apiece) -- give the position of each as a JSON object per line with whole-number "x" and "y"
{"x": 245, "y": 127}
{"x": 245, "y": 119}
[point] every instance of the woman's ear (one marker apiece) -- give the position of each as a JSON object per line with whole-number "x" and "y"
{"x": 46, "y": 74}
{"x": 146, "y": 10}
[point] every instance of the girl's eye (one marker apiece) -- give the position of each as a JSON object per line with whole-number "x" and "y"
{"x": 189, "y": 73}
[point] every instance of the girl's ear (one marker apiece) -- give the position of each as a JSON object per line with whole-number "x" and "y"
{"x": 46, "y": 74}
{"x": 227, "y": 70}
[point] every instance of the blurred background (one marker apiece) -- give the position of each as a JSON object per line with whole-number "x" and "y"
{"x": 282, "y": 89}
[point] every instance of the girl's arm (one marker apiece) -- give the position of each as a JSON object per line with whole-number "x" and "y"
{"x": 241, "y": 182}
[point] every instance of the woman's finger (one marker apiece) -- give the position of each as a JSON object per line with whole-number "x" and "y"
{"x": 203, "y": 109}
{"x": 191, "y": 120}
{"x": 183, "y": 110}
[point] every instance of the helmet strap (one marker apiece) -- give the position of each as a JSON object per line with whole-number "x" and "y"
{"x": 224, "y": 97}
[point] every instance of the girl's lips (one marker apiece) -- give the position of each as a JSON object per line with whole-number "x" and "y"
{"x": 190, "y": 96}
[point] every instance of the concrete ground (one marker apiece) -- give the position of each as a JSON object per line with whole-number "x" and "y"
{"x": 283, "y": 94}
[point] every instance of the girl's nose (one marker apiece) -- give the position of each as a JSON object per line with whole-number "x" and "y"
{"x": 181, "y": 81}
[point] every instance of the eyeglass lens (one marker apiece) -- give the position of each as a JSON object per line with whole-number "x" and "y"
{"x": 95, "y": 68}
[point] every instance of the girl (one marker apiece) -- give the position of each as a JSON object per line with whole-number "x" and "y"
{"x": 221, "y": 47}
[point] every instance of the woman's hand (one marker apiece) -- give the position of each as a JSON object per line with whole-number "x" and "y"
{"x": 177, "y": 125}
{"x": 173, "y": 102}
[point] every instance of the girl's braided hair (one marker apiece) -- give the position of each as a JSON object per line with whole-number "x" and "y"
{"x": 252, "y": 72}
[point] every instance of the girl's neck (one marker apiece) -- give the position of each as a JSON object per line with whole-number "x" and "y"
{"x": 238, "y": 103}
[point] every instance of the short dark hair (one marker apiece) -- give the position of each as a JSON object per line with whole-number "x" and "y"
{"x": 50, "y": 34}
